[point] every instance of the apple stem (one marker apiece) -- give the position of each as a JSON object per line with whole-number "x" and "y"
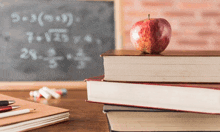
{"x": 148, "y": 16}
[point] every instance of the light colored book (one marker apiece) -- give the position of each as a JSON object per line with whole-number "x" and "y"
{"x": 169, "y": 66}
{"x": 126, "y": 121}
{"x": 124, "y": 118}
{"x": 201, "y": 98}
{"x": 43, "y": 115}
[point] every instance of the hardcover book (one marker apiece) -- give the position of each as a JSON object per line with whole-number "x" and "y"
{"x": 169, "y": 66}
{"x": 201, "y": 98}
{"x": 123, "y": 118}
{"x": 126, "y": 121}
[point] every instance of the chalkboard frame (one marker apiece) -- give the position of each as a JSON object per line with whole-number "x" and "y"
{"x": 78, "y": 85}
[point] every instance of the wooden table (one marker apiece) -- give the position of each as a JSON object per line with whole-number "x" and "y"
{"x": 84, "y": 116}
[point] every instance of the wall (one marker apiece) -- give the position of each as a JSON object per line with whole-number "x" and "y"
{"x": 195, "y": 23}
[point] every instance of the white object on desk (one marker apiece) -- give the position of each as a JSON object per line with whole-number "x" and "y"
{"x": 44, "y": 93}
{"x": 51, "y": 92}
{"x": 14, "y": 113}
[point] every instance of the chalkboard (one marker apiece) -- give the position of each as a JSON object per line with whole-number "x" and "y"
{"x": 54, "y": 40}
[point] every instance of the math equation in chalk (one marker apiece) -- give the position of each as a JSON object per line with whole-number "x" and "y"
{"x": 53, "y": 34}
{"x": 61, "y": 35}
{"x": 66, "y": 18}
{"x": 55, "y": 40}
{"x": 53, "y": 59}
{"x": 58, "y": 35}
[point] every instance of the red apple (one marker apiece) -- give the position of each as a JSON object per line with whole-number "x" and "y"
{"x": 151, "y": 35}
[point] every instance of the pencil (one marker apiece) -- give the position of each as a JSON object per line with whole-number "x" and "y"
{"x": 17, "y": 112}
{"x": 8, "y": 108}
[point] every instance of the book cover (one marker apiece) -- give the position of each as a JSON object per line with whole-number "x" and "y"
{"x": 164, "y": 53}
{"x": 161, "y": 121}
{"x": 198, "y": 98}
{"x": 118, "y": 108}
{"x": 124, "y": 118}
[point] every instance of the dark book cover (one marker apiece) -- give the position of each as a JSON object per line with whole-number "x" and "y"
{"x": 165, "y": 53}
{"x": 215, "y": 86}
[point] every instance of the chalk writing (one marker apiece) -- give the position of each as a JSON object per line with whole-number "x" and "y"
{"x": 56, "y": 35}
{"x": 82, "y": 59}
{"x": 15, "y": 17}
{"x": 33, "y": 18}
{"x": 87, "y": 38}
{"x": 53, "y": 59}
{"x": 76, "y": 39}
{"x": 55, "y": 40}
{"x": 66, "y": 18}
{"x": 28, "y": 53}
{"x": 61, "y": 35}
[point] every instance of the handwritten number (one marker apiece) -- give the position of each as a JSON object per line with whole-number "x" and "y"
{"x": 33, "y": 18}
{"x": 15, "y": 17}
{"x": 24, "y": 54}
{"x": 27, "y": 53}
{"x": 30, "y": 36}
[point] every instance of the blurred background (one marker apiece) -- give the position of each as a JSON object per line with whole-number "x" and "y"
{"x": 195, "y": 23}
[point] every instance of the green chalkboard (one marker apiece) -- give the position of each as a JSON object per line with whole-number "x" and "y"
{"x": 54, "y": 40}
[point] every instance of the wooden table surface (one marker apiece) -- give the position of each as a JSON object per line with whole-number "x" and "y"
{"x": 84, "y": 116}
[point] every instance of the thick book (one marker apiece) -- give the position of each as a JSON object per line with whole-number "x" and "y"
{"x": 169, "y": 66}
{"x": 116, "y": 108}
{"x": 202, "y": 98}
{"x": 134, "y": 121}
{"x": 123, "y": 118}
{"x": 44, "y": 115}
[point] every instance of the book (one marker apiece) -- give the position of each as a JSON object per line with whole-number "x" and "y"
{"x": 169, "y": 66}
{"x": 202, "y": 98}
{"x": 44, "y": 115}
{"x": 117, "y": 108}
{"x": 123, "y": 118}
{"x": 134, "y": 121}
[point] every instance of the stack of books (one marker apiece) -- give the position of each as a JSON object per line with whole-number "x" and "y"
{"x": 172, "y": 91}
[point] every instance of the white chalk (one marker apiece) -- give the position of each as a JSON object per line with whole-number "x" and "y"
{"x": 44, "y": 93}
{"x": 35, "y": 94}
{"x": 51, "y": 92}
{"x": 31, "y": 93}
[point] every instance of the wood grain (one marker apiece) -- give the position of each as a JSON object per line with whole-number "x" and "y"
{"x": 35, "y": 85}
{"x": 84, "y": 116}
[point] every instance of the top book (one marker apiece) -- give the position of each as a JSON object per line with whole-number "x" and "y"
{"x": 169, "y": 66}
